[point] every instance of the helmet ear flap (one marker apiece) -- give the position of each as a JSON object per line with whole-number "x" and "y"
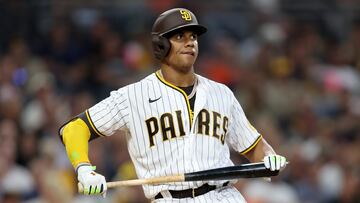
{"x": 161, "y": 46}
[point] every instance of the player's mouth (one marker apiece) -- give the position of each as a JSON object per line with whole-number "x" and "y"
{"x": 191, "y": 53}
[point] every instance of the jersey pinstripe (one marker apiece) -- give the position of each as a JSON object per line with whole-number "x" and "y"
{"x": 165, "y": 137}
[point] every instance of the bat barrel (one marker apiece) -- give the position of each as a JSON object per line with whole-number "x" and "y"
{"x": 254, "y": 170}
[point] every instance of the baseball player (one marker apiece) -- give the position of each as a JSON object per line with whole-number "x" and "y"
{"x": 175, "y": 121}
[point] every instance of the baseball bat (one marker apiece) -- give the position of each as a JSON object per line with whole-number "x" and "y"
{"x": 251, "y": 170}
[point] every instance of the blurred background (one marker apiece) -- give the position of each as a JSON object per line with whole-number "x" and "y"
{"x": 293, "y": 64}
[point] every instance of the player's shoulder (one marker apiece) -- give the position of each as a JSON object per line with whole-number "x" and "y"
{"x": 144, "y": 81}
{"x": 135, "y": 85}
{"x": 213, "y": 84}
{"x": 147, "y": 80}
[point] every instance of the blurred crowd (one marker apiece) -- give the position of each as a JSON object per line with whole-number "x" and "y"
{"x": 294, "y": 66}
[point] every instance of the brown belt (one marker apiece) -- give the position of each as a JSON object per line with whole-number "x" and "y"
{"x": 193, "y": 192}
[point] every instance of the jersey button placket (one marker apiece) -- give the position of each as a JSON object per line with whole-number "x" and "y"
{"x": 190, "y": 148}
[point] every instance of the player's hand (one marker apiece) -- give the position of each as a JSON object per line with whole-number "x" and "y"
{"x": 275, "y": 162}
{"x": 92, "y": 182}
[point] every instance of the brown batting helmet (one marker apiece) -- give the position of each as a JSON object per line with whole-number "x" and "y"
{"x": 167, "y": 23}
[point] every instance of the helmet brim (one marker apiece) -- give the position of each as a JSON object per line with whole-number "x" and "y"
{"x": 197, "y": 28}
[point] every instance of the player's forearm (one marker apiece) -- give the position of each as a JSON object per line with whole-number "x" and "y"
{"x": 259, "y": 151}
{"x": 76, "y": 136}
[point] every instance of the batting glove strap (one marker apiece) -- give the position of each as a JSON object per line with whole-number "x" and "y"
{"x": 275, "y": 162}
{"x": 83, "y": 164}
{"x": 93, "y": 183}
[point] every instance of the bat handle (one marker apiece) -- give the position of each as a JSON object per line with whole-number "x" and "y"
{"x": 80, "y": 188}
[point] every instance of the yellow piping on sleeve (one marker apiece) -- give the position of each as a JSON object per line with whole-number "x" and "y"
{"x": 76, "y": 137}
{"x": 92, "y": 124}
{"x": 252, "y": 146}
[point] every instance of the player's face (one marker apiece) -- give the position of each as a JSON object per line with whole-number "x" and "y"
{"x": 184, "y": 50}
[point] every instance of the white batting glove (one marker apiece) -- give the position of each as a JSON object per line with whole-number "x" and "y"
{"x": 92, "y": 182}
{"x": 275, "y": 162}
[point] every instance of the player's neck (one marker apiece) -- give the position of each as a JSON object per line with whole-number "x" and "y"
{"x": 178, "y": 78}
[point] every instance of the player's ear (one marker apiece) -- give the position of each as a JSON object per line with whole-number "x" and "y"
{"x": 161, "y": 46}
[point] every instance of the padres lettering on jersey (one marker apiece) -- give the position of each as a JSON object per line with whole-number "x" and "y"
{"x": 167, "y": 127}
{"x": 206, "y": 121}
{"x": 165, "y": 138}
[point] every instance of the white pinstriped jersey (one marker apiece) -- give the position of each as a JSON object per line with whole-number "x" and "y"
{"x": 165, "y": 137}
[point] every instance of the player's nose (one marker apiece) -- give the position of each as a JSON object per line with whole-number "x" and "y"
{"x": 189, "y": 42}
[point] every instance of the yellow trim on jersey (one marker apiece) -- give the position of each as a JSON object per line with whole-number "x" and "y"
{"x": 92, "y": 124}
{"x": 181, "y": 91}
{"x": 76, "y": 135}
{"x": 252, "y": 146}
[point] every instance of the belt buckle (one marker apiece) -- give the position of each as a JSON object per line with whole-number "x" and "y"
{"x": 193, "y": 192}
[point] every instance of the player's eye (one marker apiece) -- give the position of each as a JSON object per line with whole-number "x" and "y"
{"x": 179, "y": 36}
{"x": 194, "y": 36}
